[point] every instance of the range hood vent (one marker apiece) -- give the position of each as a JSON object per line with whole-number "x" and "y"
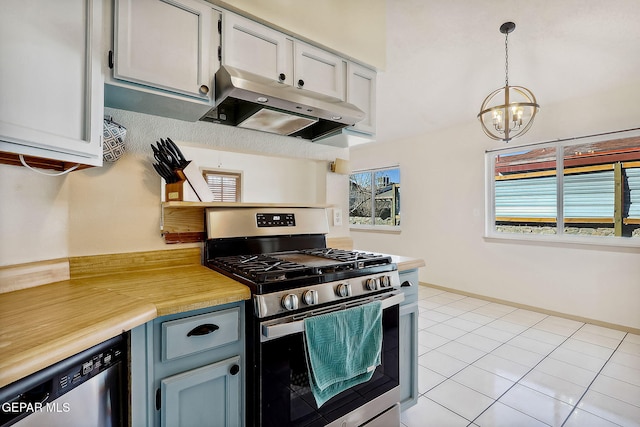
{"x": 254, "y": 102}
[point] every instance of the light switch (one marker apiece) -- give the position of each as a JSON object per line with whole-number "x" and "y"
{"x": 337, "y": 217}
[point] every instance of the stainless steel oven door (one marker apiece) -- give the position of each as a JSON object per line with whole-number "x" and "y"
{"x": 281, "y": 395}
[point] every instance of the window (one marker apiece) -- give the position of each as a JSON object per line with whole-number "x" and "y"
{"x": 374, "y": 198}
{"x": 225, "y": 186}
{"x": 575, "y": 189}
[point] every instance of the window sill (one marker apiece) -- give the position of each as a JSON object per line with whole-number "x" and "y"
{"x": 376, "y": 228}
{"x": 576, "y": 241}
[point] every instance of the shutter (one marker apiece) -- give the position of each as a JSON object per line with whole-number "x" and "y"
{"x": 225, "y": 187}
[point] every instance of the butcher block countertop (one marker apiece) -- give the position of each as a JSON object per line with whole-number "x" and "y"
{"x": 54, "y": 309}
{"x": 406, "y": 263}
{"x": 103, "y": 296}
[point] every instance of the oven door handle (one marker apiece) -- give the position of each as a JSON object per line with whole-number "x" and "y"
{"x": 283, "y": 329}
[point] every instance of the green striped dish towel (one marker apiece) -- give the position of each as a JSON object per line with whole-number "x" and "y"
{"x": 343, "y": 348}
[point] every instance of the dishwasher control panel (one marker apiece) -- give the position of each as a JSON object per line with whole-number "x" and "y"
{"x": 89, "y": 368}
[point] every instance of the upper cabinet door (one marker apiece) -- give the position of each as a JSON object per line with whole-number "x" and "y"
{"x": 166, "y": 44}
{"x": 361, "y": 92}
{"x": 51, "y": 89}
{"x": 250, "y": 46}
{"x": 319, "y": 71}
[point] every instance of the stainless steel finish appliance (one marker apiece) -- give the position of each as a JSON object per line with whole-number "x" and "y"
{"x": 88, "y": 389}
{"x": 248, "y": 100}
{"x": 281, "y": 254}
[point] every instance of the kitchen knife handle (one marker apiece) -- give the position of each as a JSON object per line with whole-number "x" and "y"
{"x": 203, "y": 329}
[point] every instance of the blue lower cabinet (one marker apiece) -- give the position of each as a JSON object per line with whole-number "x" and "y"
{"x": 205, "y": 396}
{"x": 409, "y": 339}
{"x": 187, "y": 369}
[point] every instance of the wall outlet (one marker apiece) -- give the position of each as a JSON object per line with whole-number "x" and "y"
{"x": 337, "y": 217}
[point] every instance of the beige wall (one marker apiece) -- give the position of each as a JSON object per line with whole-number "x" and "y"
{"x": 356, "y": 28}
{"x": 34, "y": 216}
{"x": 442, "y": 178}
{"x": 116, "y": 208}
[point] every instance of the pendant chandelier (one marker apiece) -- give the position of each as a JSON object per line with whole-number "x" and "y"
{"x": 508, "y": 112}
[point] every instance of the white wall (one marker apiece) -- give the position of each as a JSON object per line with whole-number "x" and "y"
{"x": 442, "y": 178}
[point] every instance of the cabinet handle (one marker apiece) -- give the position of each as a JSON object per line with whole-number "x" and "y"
{"x": 300, "y": 83}
{"x": 282, "y": 77}
{"x": 203, "y": 329}
{"x": 406, "y": 284}
{"x": 234, "y": 370}
{"x": 204, "y": 89}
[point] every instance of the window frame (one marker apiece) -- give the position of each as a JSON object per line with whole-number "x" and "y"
{"x": 490, "y": 232}
{"x": 373, "y": 226}
{"x": 226, "y": 173}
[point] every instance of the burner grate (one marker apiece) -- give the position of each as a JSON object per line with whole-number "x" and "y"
{"x": 262, "y": 268}
{"x": 279, "y": 266}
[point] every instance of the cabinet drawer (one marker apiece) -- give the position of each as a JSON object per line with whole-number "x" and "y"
{"x": 203, "y": 332}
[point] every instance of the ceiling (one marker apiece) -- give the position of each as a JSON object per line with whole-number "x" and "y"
{"x": 444, "y": 57}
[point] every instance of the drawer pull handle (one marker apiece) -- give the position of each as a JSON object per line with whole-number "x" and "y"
{"x": 203, "y": 329}
{"x": 406, "y": 284}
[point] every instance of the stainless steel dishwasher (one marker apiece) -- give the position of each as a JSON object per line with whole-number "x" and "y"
{"x": 87, "y": 389}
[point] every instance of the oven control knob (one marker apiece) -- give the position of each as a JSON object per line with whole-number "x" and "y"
{"x": 310, "y": 297}
{"x": 385, "y": 281}
{"x": 290, "y": 302}
{"x": 372, "y": 284}
{"x": 343, "y": 290}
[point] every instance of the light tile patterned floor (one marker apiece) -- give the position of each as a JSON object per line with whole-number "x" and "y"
{"x": 486, "y": 364}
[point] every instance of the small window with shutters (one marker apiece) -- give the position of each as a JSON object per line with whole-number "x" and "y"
{"x": 225, "y": 186}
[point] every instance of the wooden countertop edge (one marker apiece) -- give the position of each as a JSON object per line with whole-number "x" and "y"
{"x": 408, "y": 263}
{"x": 66, "y": 345}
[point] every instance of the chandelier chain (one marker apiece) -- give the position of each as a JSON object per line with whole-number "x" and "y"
{"x": 506, "y": 59}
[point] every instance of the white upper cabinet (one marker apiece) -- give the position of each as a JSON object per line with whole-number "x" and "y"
{"x": 250, "y": 46}
{"x": 253, "y": 47}
{"x": 51, "y": 89}
{"x": 163, "y": 57}
{"x": 319, "y": 71}
{"x": 361, "y": 92}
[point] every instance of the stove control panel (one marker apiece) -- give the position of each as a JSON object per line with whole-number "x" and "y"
{"x": 275, "y": 220}
{"x": 271, "y": 304}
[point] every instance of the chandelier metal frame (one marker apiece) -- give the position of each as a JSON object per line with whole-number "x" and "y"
{"x": 508, "y": 120}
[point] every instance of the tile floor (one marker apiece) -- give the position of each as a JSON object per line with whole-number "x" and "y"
{"x": 487, "y": 364}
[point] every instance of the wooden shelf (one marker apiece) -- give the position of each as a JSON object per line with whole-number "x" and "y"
{"x": 184, "y": 222}
{"x": 240, "y": 205}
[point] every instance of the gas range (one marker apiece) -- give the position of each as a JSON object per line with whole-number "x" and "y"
{"x": 280, "y": 253}
{"x": 282, "y": 256}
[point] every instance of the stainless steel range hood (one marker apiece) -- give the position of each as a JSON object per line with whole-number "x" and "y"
{"x": 254, "y": 102}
